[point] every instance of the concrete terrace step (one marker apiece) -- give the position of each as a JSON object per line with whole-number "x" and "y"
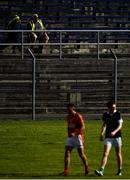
{"x": 88, "y": 82}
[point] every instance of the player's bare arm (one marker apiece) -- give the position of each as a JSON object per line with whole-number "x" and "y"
{"x": 103, "y": 129}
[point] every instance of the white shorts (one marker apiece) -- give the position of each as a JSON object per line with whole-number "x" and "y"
{"x": 75, "y": 141}
{"x": 116, "y": 142}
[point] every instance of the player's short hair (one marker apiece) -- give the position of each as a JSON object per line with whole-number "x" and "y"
{"x": 110, "y": 103}
{"x": 70, "y": 105}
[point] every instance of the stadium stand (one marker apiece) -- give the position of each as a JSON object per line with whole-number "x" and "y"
{"x": 71, "y": 14}
{"x": 88, "y": 82}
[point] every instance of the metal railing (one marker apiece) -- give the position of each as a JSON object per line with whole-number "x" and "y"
{"x": 97, "y": 41}
{"x": 115, "y": 75}
{"x": 33, "y": 84}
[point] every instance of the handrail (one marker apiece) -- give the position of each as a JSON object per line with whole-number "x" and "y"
{"x": 69, "y": 30}
{"x": 97, "y": 41}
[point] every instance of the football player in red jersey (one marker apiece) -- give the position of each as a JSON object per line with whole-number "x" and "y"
{"x": 75, "y": 138}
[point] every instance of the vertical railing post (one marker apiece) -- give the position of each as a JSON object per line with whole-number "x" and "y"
{"x": 60, "y": 45}
{"x": 115, "y": 76}
{"x": 22, "y": 47}
{"x": 34, "y": 89}
{"x": 33, "y": 85}
{"x": 98, "y": 41}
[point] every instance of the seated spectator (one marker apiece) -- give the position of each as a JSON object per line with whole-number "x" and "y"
{"x": 36, "y": 24}
{"x": 14, "y": 37}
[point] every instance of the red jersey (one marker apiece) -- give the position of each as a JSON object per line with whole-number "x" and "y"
{"x": 75, "y": 124}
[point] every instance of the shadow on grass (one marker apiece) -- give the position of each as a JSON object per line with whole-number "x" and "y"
{"x": 19, "y": 175}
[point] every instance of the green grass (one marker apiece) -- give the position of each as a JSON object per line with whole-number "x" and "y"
{"x": 35, "y": 149}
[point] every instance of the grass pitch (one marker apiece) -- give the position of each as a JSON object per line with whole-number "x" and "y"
{"x": 35, "y": 149}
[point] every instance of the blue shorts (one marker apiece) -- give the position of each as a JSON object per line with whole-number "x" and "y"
{"x": 116, "y": 142}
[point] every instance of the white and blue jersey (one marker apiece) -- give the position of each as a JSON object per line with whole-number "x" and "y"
{"x": 112, "y": 121}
